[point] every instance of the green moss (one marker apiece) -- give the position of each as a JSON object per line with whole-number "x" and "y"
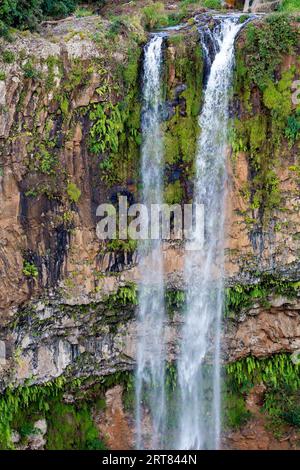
{"x": 235, "y": 413}
{"x": 173, "y": 193}
{"x": 71, "y": 427}
{"x": 212, "y": 4}
{"x": 278, "y": 97}
{"x": 73, "y": 192}
{"x": 128, "y": 246}
{"x": 289, "y": 6}
{"x": 262, "y": 135}
{"x": 182, "y": 129}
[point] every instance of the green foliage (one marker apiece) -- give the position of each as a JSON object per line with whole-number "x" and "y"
{"x": 8, "y": 57}
{"x": 130, "y": 73}
{"x": 174, "y": 299}
{"x": 73, "y": 192}
{"x": 2, "y": 75}
{"x": 58, "y": 8}
{"x": 107, "y": 127}
{"x": 265, "y": 46}
{"x": 26, "y": 429}
{"x": 128, "y": 246}
{"x": 289, "y": 6}
{"x": 115, "y": 28}
{"x": 30, "y": 71}
{"x": 173, "y": 193}
{"x": 292, "y": 130}
{"x": 275, "y": 371}
{"x": 26, "y": 14}
{"x": 16, "y": 400}
{"x": 243, "y": 296}
{"x": 126, "y": 295}
{"x": 4, "y": 31}
{"x": 71, "y": 427}
{"x": 262, "y": 135}
{"x": 30, "y": 270}
{"x": 154, "y": 16}
{"x": 182, "y": 129}
{"x": 235, "y": 413}
{"x": 46, "y": 160}
{"x": 277, "y": 97}
{"x": 81, "y": 12}
{"x": 212, "y": 4}
{"x": 282, "y": 406}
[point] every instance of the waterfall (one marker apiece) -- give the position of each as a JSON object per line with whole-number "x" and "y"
{"x": 150, "y": 375}
{"x": 199, "y": 358}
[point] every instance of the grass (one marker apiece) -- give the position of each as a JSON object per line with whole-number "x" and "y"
{"x": 290, "y": 6}
{"x": 81, "y": 12}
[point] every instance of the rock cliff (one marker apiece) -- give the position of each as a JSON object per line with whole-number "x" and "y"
{"x": 69, "y": 140}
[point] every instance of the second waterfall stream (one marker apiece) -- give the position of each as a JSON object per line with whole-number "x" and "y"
{"x": 197, "y": 416}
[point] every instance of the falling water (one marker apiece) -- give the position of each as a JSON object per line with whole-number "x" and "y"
{"x": 199, "y": 360}
{"x": 150, "y": 348}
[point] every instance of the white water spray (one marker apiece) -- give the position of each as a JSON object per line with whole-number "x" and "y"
{"x": 199, "y": 360}
{"x": 150, "y": 375}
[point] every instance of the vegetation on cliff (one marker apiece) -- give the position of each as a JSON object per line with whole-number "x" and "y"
{"x": 270, "y": 132}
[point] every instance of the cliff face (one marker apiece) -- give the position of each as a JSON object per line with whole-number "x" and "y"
{"x": 69, "y": 139}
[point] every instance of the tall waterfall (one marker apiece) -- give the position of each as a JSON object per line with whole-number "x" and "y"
{"x": 199, "y": 359}
{"x": 150, "y": 348}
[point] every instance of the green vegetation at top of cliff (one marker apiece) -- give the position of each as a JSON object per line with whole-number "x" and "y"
{"x": 26, "y": 14}
{"x": 265, "y": 45}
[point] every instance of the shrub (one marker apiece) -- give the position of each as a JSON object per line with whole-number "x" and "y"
{"x": 265, "y": 46}
{"x": 2, "y": 75}
{"x": 235, "y": 411}
{"x": 8, "y": 57}
{"x": 74, "y": 192}
{"x": 30, "y": 270}
{"x": 154, "y": 16}
{"x": 21, "y": 14}
{"x": 213, "y": 4}
{"x": 289, "y": 6}
{"x": 26, "y": 14}
{"x": 58, "y": 8}
{"x": 4, "y": 31}
{"x": 30, "y": 71}
{"x": 82, "y": 12}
